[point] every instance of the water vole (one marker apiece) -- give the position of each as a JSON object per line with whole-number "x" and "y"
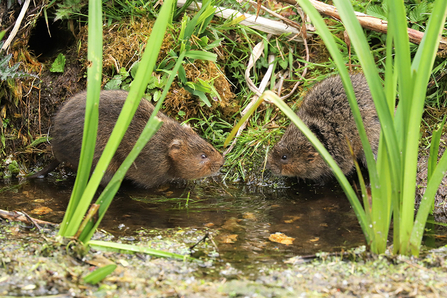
{"x": 325, "y": 110}
{"x": 174, "y": 152}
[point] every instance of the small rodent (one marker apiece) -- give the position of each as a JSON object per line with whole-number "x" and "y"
{"x": 326, "y": 111}
{"x": 174, "y": 152}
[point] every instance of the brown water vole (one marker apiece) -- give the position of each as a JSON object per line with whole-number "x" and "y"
{"x": 325, "y": 110}
{"x": 174, "y": 152}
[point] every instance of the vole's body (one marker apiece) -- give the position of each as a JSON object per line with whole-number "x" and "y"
{"x": 174, "y": 152}
{"x": 326, "y": 111}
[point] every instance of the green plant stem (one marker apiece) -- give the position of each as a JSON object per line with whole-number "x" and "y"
{"x": 130, "y": 106}
{"x": 94, "y": 73}
{"x": 150, "y": 129}
{"x": 426, "y": 205}
{"x": 126, "y": 248}
{"x": 421, "y": 67}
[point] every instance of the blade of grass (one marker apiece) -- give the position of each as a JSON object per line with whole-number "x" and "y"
{"x": 126, "y": 248}
{"x": 151, "y": 127}
{"x": 94, "y": 73}
{"x": 99, "y": 274}
{"x": 426, "y": 204}
{"x": 421, "y": 68}
{"x": 383, "y": 163}
{"x": 398, "y": 23}
{"x": 135, "y": 94}
{"x": 434, "y": 149}
{"x": 402, "y": 120}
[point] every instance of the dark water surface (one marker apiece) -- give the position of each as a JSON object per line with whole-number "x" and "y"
{"x": 319, "y": 218}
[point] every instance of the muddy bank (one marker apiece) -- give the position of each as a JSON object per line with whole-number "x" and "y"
{"x": 37, "y": 265}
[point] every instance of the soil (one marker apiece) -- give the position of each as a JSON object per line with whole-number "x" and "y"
{"x": 39, "y": 265}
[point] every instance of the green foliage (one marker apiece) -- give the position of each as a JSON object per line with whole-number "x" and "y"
{"x": 393, "y": 176}
{"x": 123, "y": 80}
{"x": 155, "y": 87}
{"x": 197, "y": 26}
{"x": 12, "y": 72}
{"x": 119, "y": 81}
{"x": 193, "y": 42}
{"x": 419, "y": 14}
{"x": 38, "y": 141}
{"x": 213, "y": 129}
{"x": 79, "y": 200}
{"x": 59, "y": 64}
{"x": 378, "y": 11}
{"x": 69, "y": 8}
{"x": 99, "y": 274}
{"x": 392, "y": 172}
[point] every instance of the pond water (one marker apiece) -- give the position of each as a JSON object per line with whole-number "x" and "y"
{"x": 318, "y": 218}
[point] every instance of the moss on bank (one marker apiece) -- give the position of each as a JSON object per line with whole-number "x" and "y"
{"x": 38, "y": 265}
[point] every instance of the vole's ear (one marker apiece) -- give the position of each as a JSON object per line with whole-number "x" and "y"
{"x": 312, "y": 156}
{"x": 176, "y": 144}
{"x": 175, "y": 148}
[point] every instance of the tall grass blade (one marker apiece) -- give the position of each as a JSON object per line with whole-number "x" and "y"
{"x": 94, "y": 73}
{"x": 426, "y": 204}
{"x": 434, "y": 149}
{"x": 421, "y": 69}
{"x": 126, "y": 248}
{"x": 407, "y": 139}
{"x": 135, "y": 94}
{"x": 151, "y": 127}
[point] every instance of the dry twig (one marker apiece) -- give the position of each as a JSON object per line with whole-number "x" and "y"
{"x": 368, "y": 22}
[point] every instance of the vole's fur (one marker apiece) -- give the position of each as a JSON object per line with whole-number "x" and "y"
{"x": 174, "y": 152}
{"x": 326, "y": 111}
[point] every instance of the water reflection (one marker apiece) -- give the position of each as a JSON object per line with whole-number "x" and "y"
{"x": 320, "y": 219}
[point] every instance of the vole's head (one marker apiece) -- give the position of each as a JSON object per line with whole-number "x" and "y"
{"x": 192, "y": 157}
{"x": 294, "y": 156}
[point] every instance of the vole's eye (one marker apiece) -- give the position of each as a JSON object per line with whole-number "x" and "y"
{"x": 284, "y": 157}
{"x": 203, "y": 156}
